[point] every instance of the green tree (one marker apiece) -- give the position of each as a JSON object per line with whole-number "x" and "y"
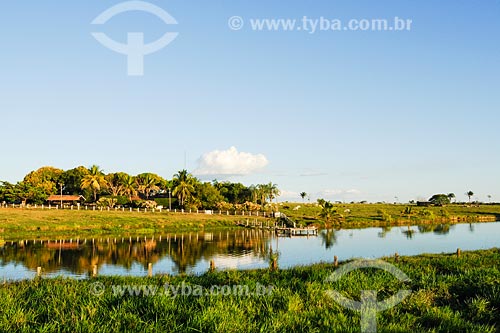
{"x": 148, "y": 184}
{"x": 72, "y": 180}
{"x": 274, "y": 192}
{"x": 27, "y": 193}
{"x": 303, "y": 195}
{"x": 207, "y": 195}
{"x": 470, "y": 194}
{"x": 45, "y": 178}
{"x": 129, "y": 186}
{"x": 451, "y": 196}
{"x": 94, "y": 181}
{"x": 183, "y": 186}
{"x": 114, "y": 182}
{"x": 328, "y": 210}
{"x": 440, "y": 199}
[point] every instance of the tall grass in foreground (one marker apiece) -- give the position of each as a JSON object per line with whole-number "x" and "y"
{"x": 450, "y": 294}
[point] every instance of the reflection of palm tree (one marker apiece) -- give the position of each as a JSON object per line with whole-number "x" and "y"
{"x": 442, "y": 229}
{"x": 328, "y": 238}
{"x": 384, "y": 231}
{"x": 426, "y": 228}
{"x": 409, "y": 233}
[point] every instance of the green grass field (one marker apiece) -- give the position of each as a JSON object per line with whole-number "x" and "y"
{"x": 449, "y": 294}
{"x": 33, "y": 223}
{"x": 368, "y": 215}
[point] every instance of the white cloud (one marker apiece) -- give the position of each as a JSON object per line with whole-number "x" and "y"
{"x": 285, "y": 194}
{"x": 339, "y": 193}
{"x": 230, "y": 162}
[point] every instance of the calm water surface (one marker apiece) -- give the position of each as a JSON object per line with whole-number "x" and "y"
{"x": 242, "y": 249}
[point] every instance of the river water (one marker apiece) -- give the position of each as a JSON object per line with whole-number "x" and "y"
{"x": 241, "y": 249}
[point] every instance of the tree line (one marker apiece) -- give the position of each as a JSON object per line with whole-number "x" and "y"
{"x": 183, "y": 190}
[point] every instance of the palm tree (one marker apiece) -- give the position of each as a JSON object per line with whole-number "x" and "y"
{"x": 303, "y": 195}
{"x": 129, "y": 186}
{"x": 451, "y": 196}
{"x": 262, "y": 193}
{"x": 94, "y": 181}
{"x": 183, "y": 186}
{"x": 273, "y": 191}
{"x": 489, "y": 197}
{"x": 254, "y": 192}
{"x": 328, "y": 237}
{"x": 147, "y": 183}
{"x": 328, "y": 210}
{"x": 470, "y": 194}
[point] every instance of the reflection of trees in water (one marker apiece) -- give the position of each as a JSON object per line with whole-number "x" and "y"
{"x": 328, "y": 238}
{"x": 440, "y": 229}
{"x": 385, "y": 230}
{"x": 408, "y": 233}
{"x": 184, "y": 250}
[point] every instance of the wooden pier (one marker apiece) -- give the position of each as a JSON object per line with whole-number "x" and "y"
{"x": 291, "y": 232}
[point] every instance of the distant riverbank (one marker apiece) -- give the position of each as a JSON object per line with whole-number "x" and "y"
{"x": 29, "y": 223}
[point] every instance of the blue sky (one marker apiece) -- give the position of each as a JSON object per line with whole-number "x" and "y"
{"x": 346, "y": 115}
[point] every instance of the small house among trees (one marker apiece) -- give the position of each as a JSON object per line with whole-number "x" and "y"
{"x": 68, "y": 199}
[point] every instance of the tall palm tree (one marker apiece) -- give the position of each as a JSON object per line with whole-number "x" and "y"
{"x": 254, "y": 192}
{"x": 183, "y": 186}
{"x": 262, "y": 193}
{"x": 470, "y": 194}
{"x": 94, "y": 181}
{"x": 273, "y": 191}
{"x": 451, "y": 196}
{"x": 147, "y": 184}
{"x": 328, "y": 210}
{"x": 303, "y": 195}
{"x": 129, "y": 186}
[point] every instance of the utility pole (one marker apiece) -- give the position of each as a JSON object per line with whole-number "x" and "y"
{"x": 169, "y": 199}
{"x": 61, "y": 185}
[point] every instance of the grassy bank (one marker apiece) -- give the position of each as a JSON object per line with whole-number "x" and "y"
{"x": 24, "y": 223}
{"x": 380, "y": 215}
{"x": 33, "y": 223}
{"x": 449, "y": 294}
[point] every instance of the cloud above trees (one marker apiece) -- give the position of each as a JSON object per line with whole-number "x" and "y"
{"x": 230, "y": 162}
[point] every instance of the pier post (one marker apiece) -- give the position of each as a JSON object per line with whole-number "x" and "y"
{"x": 212, "y": 265}
{"x": 150, "y": 270}
{"x": 39, "y": 271}
{"x": 396, "y": 257}
{"x": 335, "y": 261}
{"x": 94, "y": 271}
{"x": 459, "y": 252}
